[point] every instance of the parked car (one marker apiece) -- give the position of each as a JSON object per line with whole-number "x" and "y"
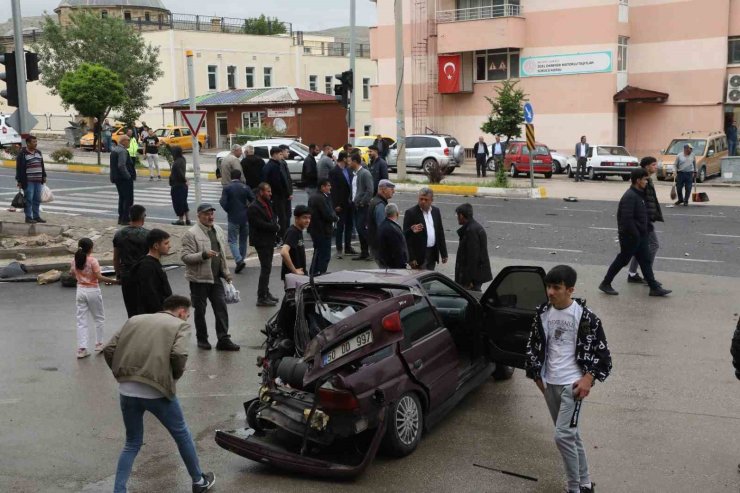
{"x": 516, "y": 160}
{"x": 8, "y": 135}
{"x": 559, "y": 162}
{"x": 357, "y": 360}
{"x": 298, "y": 152}
{"x": 180, "y": 136}
{"x": 362, "y": 143}
{"x": 607, "y": 160}
{"x": 423, "y": 151}
{"x": 709, "y": 149}
{"x": 86, "y": 141}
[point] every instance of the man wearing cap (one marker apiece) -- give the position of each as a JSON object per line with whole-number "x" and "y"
{"x": 378, "y": 167}
{"x": 425, "y": 236}
{"x": 685, "y": 166}
{"x": 321, "y": 228}
{"x": 376, "y": 216}
{"x": 394, "y": 254}
{"x": 204, "y": 256}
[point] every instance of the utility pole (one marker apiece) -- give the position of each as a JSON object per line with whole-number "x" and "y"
{"x": 196, "y": 144}
{"x": 352, "y": 50}
{"x": 20, "y": 67}
{"x": 400, "y": 114}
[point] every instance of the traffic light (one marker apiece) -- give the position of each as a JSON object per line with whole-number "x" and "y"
{"x": 11, "y": 81}
{"x": 342, "y": 91}
{"x": 32, "y": 66}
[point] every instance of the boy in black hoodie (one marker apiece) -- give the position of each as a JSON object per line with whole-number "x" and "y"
{"x": 151, "y": 279}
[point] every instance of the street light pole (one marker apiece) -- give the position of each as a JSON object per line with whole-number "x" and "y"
{"x": 352, "y": 50}
{"x": 400, "y": 113}
{"x": 20, "y": 67}
{"x": 196, "y": 144}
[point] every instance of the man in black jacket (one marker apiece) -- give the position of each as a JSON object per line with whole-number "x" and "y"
{"x": 321, "y": 227}
{"x": 310, "y": 171}
{"x": 472, "y": 266}
{"x": 151, "y": 279}
{"x": 263, "y": 228}
{"x": 633, "y": 226}
{"x": 425, "y": 236}
{"x": 649, "y": 164}
{"x": 480, "y": 151}
{"x": 122, "y": 175}
{"x": 394, "y": 254}
{"x": 341, "y": 194}
{"x": 252, "y": 167}
{"x": 375, "y": 217}
{"x": 272, "y": 174}
{"x": 377, "y": 166}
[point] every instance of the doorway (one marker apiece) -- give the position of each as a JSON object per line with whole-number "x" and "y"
{"x": 222, "y": 130}
{"x": 621, "y": 124}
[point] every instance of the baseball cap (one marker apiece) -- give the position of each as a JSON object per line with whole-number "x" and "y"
{"x": 386, "y": 184}
{"x": 205, "y": 207}
{"x": 688, "y": 145}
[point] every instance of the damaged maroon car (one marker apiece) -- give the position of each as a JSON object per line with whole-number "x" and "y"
{"x": 356, "y": 361}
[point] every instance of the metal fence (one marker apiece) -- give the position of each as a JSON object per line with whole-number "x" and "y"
{"x": 207, "y": 23}
{"x": 50, "y": 122}
{"x": 476, "y": 13}
{"x": 334, "y": 48}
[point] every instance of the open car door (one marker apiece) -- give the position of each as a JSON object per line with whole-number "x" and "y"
{"x": 510, "y": 304}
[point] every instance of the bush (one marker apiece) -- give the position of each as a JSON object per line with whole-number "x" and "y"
{"x": 62, "y": 155}
{"x": 166, "y": 153}
{"x": 436, "y": 173}
{"x": 502, "y": 180}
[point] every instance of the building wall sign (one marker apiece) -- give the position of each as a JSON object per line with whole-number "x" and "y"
{"x": 281, "y": 113}
{"x": 566, "y": 64}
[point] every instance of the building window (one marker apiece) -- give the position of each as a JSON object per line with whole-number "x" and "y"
{"x": 252, "y": 119}
{"x": 127, "y": 16}
{"x": 268, "y": 76}
{"x": 493, "y": 65}
{"x": 212, "y": 79}
{"x": 366, "y": 130}
{"x": 147, "y": 17}
{"x": 313, "y": 82}
{"x": 250, "y": 77}
{"x": 624, "y": 2}
{"x": 231, "y": 76}
{"x": 486, "y": 9}
{"x": 622, "y": 53}
{"x": 365, "y": 88}
{"x": 104, "y": 14}
{"x": 328, "y": 82}
{"x": 733, "y": 51}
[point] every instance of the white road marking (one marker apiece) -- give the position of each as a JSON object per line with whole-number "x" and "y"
{"x": 577, "y": 210}
{"x": 700, "y": 215}
{"x": 521, "y": 224}
{"x": 9, "y": 401}
{"x": 555, "y": 249}
{"x": 692, "y": 260}
{"x": 605, "y": 229}
{"x": 60, "y": 190}
{"x": 721, "y": 236}
{"x": 73, "y": 209}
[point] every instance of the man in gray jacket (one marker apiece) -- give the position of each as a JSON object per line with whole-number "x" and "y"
{"x": 204, "y": 256}
{"x": 362, "y": 194}
{"x": 230, "y": 163}
{"x": 326, "y": 163}
{"x": 147, "y": 356}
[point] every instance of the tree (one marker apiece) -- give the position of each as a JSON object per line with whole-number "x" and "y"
{"x": 93, "y": 90}
{"x": 108, "y": 42}
{"x": 507, "y": 112}
{"x": 264, "y": 25}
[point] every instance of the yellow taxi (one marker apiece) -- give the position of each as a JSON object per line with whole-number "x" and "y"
{"x": 362, "y": 143}
{"x": 179, "y": 136}
{"x": 86, "y": 141}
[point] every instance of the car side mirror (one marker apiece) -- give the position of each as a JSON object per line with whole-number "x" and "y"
{"x": 710, "y": 153}
{"x": 662, "y": 151}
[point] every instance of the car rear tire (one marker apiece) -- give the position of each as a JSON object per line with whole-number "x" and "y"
{"x": 252, "y": 420}
{"x": 556, "y": 168}
{"x": 428, "y": 164}
{"x": 548, "y": 175}
{"x": 513, "y": 171}
{"x": 502, "y": 372}
{"x": 701, "y": 176}
{"x": 625, "y": 177}
{"x": 405, "y": 421}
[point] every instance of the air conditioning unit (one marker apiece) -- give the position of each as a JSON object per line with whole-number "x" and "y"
{"x": 733, "y": 89}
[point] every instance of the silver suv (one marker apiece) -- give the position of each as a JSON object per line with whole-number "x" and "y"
{"x": 424, "y": 151}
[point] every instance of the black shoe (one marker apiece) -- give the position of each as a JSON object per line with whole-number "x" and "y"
{"x": 608, "y": 289}
{"x": 636, "y": 279}
{"x": 685, "y": 204}
{"x": 204, "y": 345}
{"x": 240, "y": 266}
{"x": 210, "y": 480}
{"x": 31, "y": 221}
{"x": 178, "y": 223}
{"x": 363, "y": 256}
{"x": 350, "y": 251}
{"x": 266, "y": 302}
{"x": 39, "y": 220}
{"x": 188, "y": 223}
{"x": 271, "y": 297}
{"x": 227, "y": 344}
{"x": 592, "y": 489}
{"x": 678, "y": 202}
{"x": 659, "y": 291}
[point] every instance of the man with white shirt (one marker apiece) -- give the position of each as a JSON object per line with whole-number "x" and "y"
{"x": 497, "y": 149}
{"x": 567, "y": 351}
{"x": 480, "y": 149}
{"x": 581, "y": 158}
{"x": 425, "y": 236}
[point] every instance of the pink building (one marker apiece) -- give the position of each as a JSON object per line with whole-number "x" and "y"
{"x": 630, "y": 72}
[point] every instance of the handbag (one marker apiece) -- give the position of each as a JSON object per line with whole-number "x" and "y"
{"x": 674, "y": 194}
{"x": 19, "y": 201}
{"x": 231, "y": 293}
{"x": 46, "y": 194}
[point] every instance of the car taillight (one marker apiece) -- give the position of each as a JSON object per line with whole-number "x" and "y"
{"x": 447, "y": 151}
{"x": 607, "y": 163}
{"x": 392, "y": 322}
{"x": 337, "y": 400}
{"x": 5, "y": 130}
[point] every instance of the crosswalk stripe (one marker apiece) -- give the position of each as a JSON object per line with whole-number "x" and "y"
{"x": 73, "y": 209}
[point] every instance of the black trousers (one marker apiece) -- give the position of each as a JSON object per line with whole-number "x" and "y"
{"x": 344, "y": 229}
{"x": 430, "y": 259}
{"x": 322, "y": 254}
{"x": 130, "y": 291}
{"x": 629, "y": 247}
{"x": 480, "y": 165}
{"x": 265, "y": 256}
{"x": 200, "y": 294}
{"x": 125, "y": 199}
{"x": 360, "y": 218}
{"x": 581, "y": 168}
{"x": 281, "y": 207}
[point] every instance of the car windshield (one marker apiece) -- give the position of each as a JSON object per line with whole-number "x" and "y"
{"x": 537, "y": 150}
{"x": 612, "y": 151}
{"x": 298, "y": 147}
{"x": 364, "y": 141}
{"x": 161, "y": 132}
{"x": 677, "y": 146}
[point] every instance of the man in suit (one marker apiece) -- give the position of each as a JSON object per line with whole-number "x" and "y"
{"x": 376, "y": 216}
{"x": 310, "y": 172}
{"x": 425, "y": 236}
{"x": 341, "y": 195}
{"x": 472, "y": 266}
{"x": 252, "y": 168}
{"x": 321, "y": 227}
{"x": 480, "y": 150}
{"x": 272, "y": 175}
{"x": 394, "y": 255}
{"x": 362, "y": 194}
{"x": 582, "y": 149}
{"x": 263, "y": 228}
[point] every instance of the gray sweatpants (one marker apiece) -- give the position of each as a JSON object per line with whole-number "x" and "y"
{"x": 561, "y": 404}
{"x": 653, "y": 246}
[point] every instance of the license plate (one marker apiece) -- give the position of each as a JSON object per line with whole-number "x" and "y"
{"x": 537, "y": 162}
{"x": 619, "y": 164}
{"x": 348, "y": 346}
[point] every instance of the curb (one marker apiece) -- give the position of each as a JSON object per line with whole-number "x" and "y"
{"x": 94, "y": 169}
{"x": 522, "y": 193}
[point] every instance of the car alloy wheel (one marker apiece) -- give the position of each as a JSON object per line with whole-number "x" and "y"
{"x": 702, "y": 175}
{"x": 428, "y": 164}
{"x": 513, "y": 171}
{"x": 407, "y": 420}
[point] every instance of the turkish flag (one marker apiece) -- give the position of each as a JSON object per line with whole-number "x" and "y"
{"x": 449, "y": 67}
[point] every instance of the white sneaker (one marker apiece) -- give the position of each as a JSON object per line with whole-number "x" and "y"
{"x": 98, "y": 347}
{"x": 82, "y": 353}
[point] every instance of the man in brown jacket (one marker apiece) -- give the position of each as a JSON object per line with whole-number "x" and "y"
{"x": 147, "y": 356}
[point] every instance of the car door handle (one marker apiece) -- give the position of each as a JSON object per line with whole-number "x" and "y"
{"x": 418, "y": 364}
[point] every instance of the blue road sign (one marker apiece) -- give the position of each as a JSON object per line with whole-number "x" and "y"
{"x": 528, "y": 113}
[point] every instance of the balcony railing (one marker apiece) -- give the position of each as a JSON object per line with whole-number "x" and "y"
{"x": 477, "y": 13}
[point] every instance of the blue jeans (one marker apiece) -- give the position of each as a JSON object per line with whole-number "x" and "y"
{"x": 33, "y": 199}
{"x": 107, "y": 140}
{"x": 322, "y": 246}
{"x": 684, "y": 180}
{"x": 238, "y": 234}
{"x": 732, "y": 146}
{"x": 169, "y": 413}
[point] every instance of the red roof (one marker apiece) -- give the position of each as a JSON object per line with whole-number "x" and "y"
{"x": 306, "y": 95}
{"x": 638, "y": 94}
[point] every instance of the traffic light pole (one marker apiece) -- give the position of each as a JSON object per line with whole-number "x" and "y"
{"x": 352, "y": 48}
{"x": 400, "y": 113}
{"x": 20, "y": 67}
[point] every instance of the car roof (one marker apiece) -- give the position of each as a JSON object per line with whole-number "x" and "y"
{"x": 391, "y": 277}
{"x": 699, "y": 134}
{"x": 270, "y": 141}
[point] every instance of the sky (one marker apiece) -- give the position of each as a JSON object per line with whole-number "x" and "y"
{"x": 306, "y": 15}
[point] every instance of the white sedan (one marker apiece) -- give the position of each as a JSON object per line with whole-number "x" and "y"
{"x": 606, "y": 160}
{"x": 559, "y": 162}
